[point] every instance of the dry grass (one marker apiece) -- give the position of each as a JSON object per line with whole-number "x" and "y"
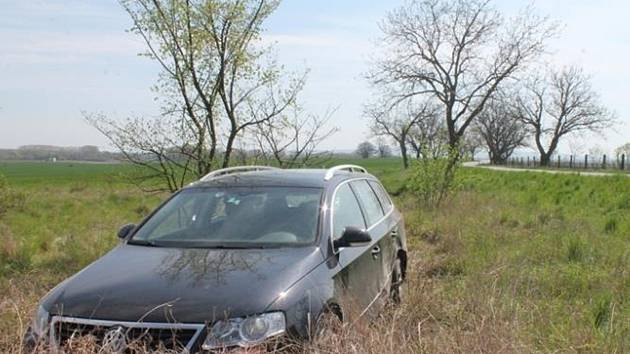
{"x": 428, "y": 322}
{"x": 18, "y": 300}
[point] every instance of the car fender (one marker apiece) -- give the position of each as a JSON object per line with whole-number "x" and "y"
{"x": 304, "y": 300}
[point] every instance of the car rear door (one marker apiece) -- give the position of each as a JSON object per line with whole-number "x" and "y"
{"x": 380, "y": 229}
{"x": 391, "y": 224}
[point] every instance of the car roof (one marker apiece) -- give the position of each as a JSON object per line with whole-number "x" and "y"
{"x": 310, "y": 178}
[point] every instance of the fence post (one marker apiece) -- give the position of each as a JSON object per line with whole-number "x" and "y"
{"x": 527, "y": 161}
{"x": 604, "y": 162}
{"x": 623, "y": 161}
{"x": 586, "y": 162}
{"x": 558, "y": 161}
{"x": 571, "y": 161}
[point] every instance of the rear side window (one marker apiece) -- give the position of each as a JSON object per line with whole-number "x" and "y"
{"x": 369, "y": 201}
{"x": 346, "y": 211}
{"x": 382, "y": 196}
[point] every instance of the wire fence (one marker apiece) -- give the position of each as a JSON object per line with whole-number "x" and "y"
{"x": 582, "y": 162}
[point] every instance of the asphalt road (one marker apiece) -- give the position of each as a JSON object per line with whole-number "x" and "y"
{"x": 484, "y": 164}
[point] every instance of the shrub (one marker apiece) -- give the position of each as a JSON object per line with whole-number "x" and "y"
{"x": 432, "y": 180}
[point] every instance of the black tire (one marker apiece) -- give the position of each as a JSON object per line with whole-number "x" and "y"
{"x": 397, "y": 286}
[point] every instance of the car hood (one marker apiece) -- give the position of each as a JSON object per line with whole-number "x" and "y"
{"x": 136, "y": 283}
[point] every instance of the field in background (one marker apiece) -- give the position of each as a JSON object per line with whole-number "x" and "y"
{"x": 513, "y": 261}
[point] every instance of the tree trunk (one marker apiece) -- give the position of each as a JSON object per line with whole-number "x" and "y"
{"x": 495, "y": 157}
{"x": 545, "y": 159}
{"x": 228, "y": 151}
{"x": 403, "y": 152}
{"x": 544, "y": 155}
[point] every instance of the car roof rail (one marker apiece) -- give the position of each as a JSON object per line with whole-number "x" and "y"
{"x": 330, "y": 173}
{"x": 233, "y": 170}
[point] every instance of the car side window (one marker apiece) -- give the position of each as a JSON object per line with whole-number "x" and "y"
{"x": 369, "y": 201}
{"x": 346, "y": 211}
{"x": 382, "y": 195}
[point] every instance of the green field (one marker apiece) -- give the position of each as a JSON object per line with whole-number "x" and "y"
{"x": 512, "y": 262}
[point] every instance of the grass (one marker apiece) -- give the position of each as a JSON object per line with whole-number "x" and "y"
{"x": 512, "y": 262}
{"x": 541, "y": 249}
{"x": 27, "y": 172}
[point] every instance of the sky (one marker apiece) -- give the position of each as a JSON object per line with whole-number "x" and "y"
{"x": 61, "y": 57}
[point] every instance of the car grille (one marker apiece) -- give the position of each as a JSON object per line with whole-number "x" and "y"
{"x": 126, "y": 336}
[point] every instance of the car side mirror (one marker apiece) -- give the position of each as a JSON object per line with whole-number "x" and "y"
{"x": 125, "y": 231}
{"x": 353, "y": 237}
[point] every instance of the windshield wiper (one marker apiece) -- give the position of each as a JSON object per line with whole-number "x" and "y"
{"x": 143, "y": 243}
{"x": 201, "y": 245}
{"x": 230, "y": 247}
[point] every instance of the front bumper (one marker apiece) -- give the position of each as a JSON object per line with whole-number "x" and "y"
{"x": 118, "y": 335}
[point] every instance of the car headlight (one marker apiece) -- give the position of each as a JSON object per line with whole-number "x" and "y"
{"x": 40, "y": 322}
{"x": 245, "y": 332}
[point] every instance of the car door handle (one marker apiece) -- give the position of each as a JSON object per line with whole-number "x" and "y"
{"x": 376, "y": 250}
{"x": 394, "y": 233}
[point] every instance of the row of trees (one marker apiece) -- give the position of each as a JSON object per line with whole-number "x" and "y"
{"x": 453, "y": 73}
{"x": 458, "y": 73}
{"x": 544, "y": 109}
{"x": 366, "y": 149}
{"x": 220, "y": 90}
{"x": 48, "y": 152}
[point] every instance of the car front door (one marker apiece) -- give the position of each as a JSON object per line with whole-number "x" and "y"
{"x": 356, "y": 281}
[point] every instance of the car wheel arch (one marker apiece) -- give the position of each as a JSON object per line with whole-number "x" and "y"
{"x": 333, "y": 308}
{"x": 329, "y": 321}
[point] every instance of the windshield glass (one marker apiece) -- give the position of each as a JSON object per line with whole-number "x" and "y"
{"x": 240, "y": 217}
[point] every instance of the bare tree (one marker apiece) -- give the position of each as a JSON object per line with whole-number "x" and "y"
{"x": 576, "y": 146}
{"x": 397, "y": 122}
{"x": 470, "y": 144}
{"x": 217, "y": 80}
{"x": 501, "y": 129}
{"x": 623, "y": 150}
{"x": 160, "y": 148}
{"x": 365, "y": 149}
{"x": 561, "y": 104}
{"x": 428, "y": 137}
{"x": 597, "y": 151}
{"x": 458, "y": 52}
{"x": 382, "y": 148}
{"x": 293, "y": 140}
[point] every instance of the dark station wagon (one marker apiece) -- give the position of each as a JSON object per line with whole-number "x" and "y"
{"x": 244, "y": 255}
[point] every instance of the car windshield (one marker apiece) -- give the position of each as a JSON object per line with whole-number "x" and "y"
{"x": 234, "y": 217}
